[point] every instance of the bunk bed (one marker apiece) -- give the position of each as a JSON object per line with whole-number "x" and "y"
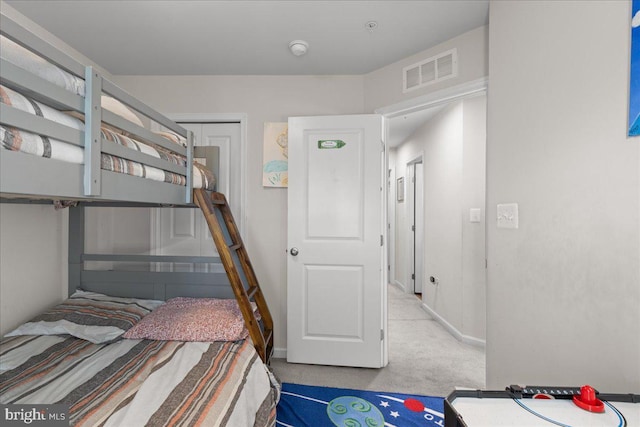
{"x": 127, "y": 347}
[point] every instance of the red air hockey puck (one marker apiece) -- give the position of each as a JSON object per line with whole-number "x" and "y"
{"x": 587, "y": 400}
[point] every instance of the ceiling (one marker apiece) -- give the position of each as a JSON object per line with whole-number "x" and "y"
{"x": 148, "y": 37}
{"x": 402, "y": 127}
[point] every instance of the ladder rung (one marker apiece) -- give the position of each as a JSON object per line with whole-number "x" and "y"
{"x": 235, "y": 247}
{"x": 268, "y": 337}
{"x": 217, "y": 202}
{"x": 252, "y": 291}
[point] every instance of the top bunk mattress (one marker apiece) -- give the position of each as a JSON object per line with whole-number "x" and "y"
{"x": 15, "y": 139}
{"x": 34, "y": 86}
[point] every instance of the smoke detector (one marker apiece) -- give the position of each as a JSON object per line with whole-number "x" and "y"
{"x": 298, "y": 47}
{"x": 371, "y": 26}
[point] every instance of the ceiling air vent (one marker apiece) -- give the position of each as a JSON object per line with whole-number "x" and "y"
{"x": 432, "y": 70}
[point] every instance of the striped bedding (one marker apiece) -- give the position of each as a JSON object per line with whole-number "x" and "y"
{"x": 140, "y": 382}
{"x": 14, "y": 53}
{"x": 20, "y": 140}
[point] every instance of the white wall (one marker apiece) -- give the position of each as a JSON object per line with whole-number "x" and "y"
{"x": 119, "y": 230}
{"x": 441, "y": 140}
{"x": 473, "y": 195}
{"x": 383, "y": 87}
{"x": 452, "y": 146}
{"x": 263, "y": 99}
{"x": 563, "y": 297}
{"x": 33, "y": 262}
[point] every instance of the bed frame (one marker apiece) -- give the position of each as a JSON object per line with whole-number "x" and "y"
{"x": 25, "y": 178}
{"x": 88, "y": 181}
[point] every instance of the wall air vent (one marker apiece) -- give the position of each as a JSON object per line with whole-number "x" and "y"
{"x": 432, "y": 70}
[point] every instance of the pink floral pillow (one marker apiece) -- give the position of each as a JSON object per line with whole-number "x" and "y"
{"x": 192, "y": 319}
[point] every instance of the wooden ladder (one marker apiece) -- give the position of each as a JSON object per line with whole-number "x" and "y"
{"x": 236, "y": 263}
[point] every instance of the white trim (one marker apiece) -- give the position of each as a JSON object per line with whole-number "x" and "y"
{"x": 441, "y": 97}
{"x": 476, "y": 342}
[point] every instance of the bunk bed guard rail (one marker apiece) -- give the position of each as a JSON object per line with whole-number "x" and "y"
{"x": 90, "y": 139}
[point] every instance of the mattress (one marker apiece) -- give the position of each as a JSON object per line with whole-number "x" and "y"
{"x": 27, "y": 142}
{"x": 139, "y": 382}
{"x": 21, "y": 140}
{"x": 108, "y": 360}
{"x": 29, "y": 61}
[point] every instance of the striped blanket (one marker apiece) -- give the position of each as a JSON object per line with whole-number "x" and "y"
{"x": 17, "y": 55}
{"x": 139, "y": 382}
{"x": 27, "y": 142}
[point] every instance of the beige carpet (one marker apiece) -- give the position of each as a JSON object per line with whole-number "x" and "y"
{"x": 423, "y": 358}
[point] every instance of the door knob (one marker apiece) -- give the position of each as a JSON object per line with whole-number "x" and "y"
{"x": 293, "y": 251}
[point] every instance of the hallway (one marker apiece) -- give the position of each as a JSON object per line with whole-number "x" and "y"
{"x": 423, "y": 358}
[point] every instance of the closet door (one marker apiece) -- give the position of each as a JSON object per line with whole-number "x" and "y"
{"x": 183, "y": 231}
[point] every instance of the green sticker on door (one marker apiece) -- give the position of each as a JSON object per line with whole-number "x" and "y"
{"x": 328, "y": 144}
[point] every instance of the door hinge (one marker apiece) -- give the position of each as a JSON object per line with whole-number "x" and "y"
{"x": 413, "y": 228}
{"x": 381, "y": 334}
{"x": 381, "y": 240}
{"x": 413, "y": 276}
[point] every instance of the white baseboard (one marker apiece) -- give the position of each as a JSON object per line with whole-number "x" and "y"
{"x": 400, "y": 285}
{"x": 279, "y": 353}
{"x": 477, "y": 342}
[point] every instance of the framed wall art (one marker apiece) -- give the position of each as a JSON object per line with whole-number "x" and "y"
{"x": 400, "y": 189}
{"x": 275, "y": 166}
{"x": 634, "y": 72}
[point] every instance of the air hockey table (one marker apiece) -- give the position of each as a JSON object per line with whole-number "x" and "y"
{"x": 541, "y": 406}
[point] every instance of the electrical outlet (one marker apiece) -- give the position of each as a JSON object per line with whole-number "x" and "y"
{"x": 507, "y": 215}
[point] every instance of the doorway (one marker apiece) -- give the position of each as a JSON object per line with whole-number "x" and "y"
{"x": 416, "y": 193}
{"x": 452, "y": 167}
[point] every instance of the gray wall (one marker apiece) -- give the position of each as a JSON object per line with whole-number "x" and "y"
{"x": 563, "y": 298}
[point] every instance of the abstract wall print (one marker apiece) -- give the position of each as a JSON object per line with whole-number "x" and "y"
{"x": 275, "y": 155}
{"x": 634, "y": 74}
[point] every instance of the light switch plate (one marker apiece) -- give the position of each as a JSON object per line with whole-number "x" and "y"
{"x": 474, "y": 215}
{"x": 507, "y": 215}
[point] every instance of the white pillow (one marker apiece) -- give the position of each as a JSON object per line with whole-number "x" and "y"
{"x": 91, "y": 316}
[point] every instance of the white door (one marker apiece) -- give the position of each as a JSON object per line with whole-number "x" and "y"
{"x": 183, "y": 231}
{"x": 336, "y": 275}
